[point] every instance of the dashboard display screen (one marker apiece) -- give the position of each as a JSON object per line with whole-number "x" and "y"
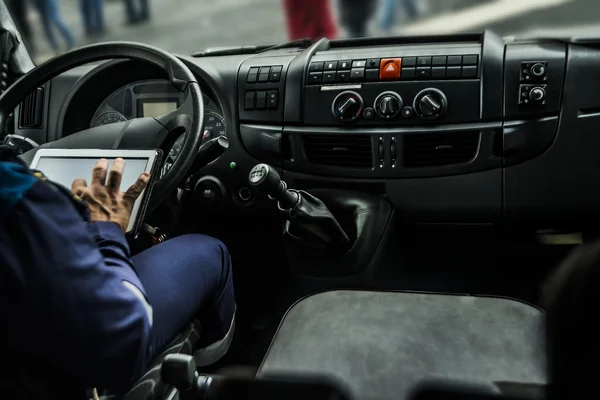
{"x": 157, "y": 108}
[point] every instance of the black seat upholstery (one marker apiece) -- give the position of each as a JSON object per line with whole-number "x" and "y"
{"x": 149, "y": 386}
{"x": 383, "y": 344}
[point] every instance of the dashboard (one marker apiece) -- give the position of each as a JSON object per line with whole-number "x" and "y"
{"x": 458, "y": 129}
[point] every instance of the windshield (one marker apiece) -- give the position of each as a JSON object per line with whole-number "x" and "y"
{"x": 188, "y": 26}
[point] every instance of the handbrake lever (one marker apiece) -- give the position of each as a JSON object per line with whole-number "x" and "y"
{"x": 210, "y": 151}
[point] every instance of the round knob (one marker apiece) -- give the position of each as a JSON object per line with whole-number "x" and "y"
{"x": 209, "y": 189}
{"x": 430, "y": 103}
{"x": 430, "y": 106}
{"x": 388, "y": 105}
{"x": 538, "y": 70}
{"x": 347, "y": 106}
{"x": 537, "y": 94}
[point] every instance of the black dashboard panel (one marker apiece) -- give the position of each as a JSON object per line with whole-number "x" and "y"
{"x": 453, "y": 129}
{"x": 400, "y": 72}
{"x": 561, "y": 185}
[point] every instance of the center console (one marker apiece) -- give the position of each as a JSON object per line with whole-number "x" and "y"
{"x": 413, "y": 118}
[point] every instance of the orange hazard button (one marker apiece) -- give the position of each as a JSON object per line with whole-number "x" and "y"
{"x": 390, "y": 68}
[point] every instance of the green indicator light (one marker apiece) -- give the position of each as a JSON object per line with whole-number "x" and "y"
{"x": 232, "y": 165}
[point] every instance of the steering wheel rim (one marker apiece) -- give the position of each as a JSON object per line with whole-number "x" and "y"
{"x": 178, "y": 74}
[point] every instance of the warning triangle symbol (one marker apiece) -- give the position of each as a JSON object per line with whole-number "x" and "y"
{"x": 390, "y": 68}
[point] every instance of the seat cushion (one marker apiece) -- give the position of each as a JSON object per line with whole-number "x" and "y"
{"x": 382, "y": 344}
{"x": 150, "y": 386}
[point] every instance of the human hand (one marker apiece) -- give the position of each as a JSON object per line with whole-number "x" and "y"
{"x": 104, "y": 197}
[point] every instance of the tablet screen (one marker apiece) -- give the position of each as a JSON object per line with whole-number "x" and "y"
{"x": 64, "y": 170}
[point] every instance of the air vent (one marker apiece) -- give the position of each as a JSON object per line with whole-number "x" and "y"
{"x": 350, "y": 151}
{"x": 32, "y": 110}
{"x": 437, "y": 149}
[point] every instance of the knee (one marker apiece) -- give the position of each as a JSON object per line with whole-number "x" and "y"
{"x": 208, "y": 249}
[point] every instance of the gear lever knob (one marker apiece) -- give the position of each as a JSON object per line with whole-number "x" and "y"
{"x": 266, "y": 179}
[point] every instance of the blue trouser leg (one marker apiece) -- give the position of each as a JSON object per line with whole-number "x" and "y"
{"x": 131, "y": 10}
{"x": 43, "y": 9}
{"x": 184, "y": 277}
{"x": 86, "y": 15}
{"x": 388, "y": 14}
{"x": 97, "y": 7}
{"x": 144, "y": 9}
{"x": 56, "y": 19}
{"x": 410, "y": 8}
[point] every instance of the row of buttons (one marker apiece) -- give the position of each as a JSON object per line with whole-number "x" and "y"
{"x": 264, "y": 74}
{"x": 262, "y": 99}
{"x": 471, "y": 59}
{"x": 411, "y": 73}
{"x": 437, "y": 67}
{"x": 319, "y": 66}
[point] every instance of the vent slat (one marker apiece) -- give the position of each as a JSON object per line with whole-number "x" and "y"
{"x": 427, "y": 150}
{"x": 350, "y": 151}
{"x": 32, "y": 109}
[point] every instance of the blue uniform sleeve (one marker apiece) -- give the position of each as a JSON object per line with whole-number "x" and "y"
{"x": 70, "y": 296}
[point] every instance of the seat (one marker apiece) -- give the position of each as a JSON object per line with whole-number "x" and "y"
{"x": 150, "y": 386}
{"x": 32, "y": 382}
{"x": 383, "y": 344}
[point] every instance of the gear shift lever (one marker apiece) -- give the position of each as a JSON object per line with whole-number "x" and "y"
{"x": 309, "y": 220}
{"x": 268, "y": 181}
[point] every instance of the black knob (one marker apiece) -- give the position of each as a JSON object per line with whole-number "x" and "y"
{"x": 538, "y": 70}
{"x": 347, "y": 106}
{"x": 537, "y": 94}
{"x": 430, "y": 103}
{"x": 388, "y": 105}
{"x": 179, "y": 370}
{"x": 209, "y": 189}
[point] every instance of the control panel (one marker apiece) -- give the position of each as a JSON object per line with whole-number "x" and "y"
{"x": 532, "y": 90}
{"x": 261, "y": 86}
{"x": 262, "y": 99}
{"x": 397, "y": 87}
{"x": 533, "y": 79}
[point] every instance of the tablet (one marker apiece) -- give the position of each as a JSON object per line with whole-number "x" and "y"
{"x": 63, "y": 166}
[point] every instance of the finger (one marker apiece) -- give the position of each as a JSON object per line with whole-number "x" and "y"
{"x": 136, "y": 189}
{"x": 115, "y": 175}
{"x": 99, "y": 172}
{"x": 78, "y": 185}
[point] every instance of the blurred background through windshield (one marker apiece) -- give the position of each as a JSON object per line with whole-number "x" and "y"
{"x": 187, "y": 26}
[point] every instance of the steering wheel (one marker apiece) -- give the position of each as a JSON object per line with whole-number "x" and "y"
{"x": 139, "y": 133}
